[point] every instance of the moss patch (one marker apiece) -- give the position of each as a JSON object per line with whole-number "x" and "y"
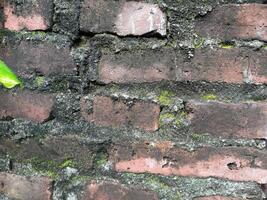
{"x": 165, "y": 98}
{"x": 208, "y": 97}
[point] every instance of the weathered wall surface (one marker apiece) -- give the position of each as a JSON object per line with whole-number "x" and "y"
{"x": 153, "y": 99}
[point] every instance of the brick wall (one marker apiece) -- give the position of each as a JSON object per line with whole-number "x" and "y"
{"x": 134, "y": 100}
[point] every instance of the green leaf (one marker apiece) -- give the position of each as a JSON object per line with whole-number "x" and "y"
{"x": 7, "y": 77}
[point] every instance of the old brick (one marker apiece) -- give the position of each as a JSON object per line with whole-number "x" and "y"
{"x": 214, "y": 65}
{"x": 115, "y": 191}
{"x": 122, "y": 17}
{"x": 1, "y": 15}
{"x": 29, "y": 105}
{"x": 29, "y": 15}
{"x": 107, "y": 112}
{"x": 43, "y": 58}
{"x": 229, "y": 120}
{"x": 257, "y": 70}
{"x": 137, "y": 67}
{"x": 20, "y": 187}
{"x": 232, "y": 21}
{"x": 237, "y": 164}
{"x": 217, "y": 198}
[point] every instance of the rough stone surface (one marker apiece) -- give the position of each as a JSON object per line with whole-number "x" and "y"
{"x": 20, "y": 187}
{"x": 122, "y": 17}
{"x": 29, "y": 105}
{"x": 115, "y": 191}
{"x": 29, "y": 15}
{"x": 217, "y": 198}
{"x": 233, "y": 21}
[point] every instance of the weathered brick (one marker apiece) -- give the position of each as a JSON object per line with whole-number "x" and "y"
{"x": 29, "y": 105}
{"x": 122, "y": 17}
{"x": 217, "y": 198}
{"x": 1, "y": 15}
{"x": 29, "y": 15}
{"x": 229, "y": 120}
{"x": 137, "y": 67}
{"x": 233, "y": 21}
{"x": 20, "y": 187}
{"x": 107, "y": 112}
{"x": 43, "y": 58}
{"x": 214, "y": 65}
{"x": 257, "y": 67}
{"x": 237, "y": 164}
{"x": 115, "y": 191}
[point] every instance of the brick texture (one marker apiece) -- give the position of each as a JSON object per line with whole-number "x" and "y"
{"x": 114, "y": 191}
{"x": 122, "y": 18}
{"x": 247, "y": 21}
{"x": 43, "y": 58}
{"x": 229, "y": 120}
{"x": 143, "y": 115}
{"x": 29, "y": 15}
{"x": 29, "y": 105}
{"x": 237, "y": 164}
{"x": 20, "y": 187}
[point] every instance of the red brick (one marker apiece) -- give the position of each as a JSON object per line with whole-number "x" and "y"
{"x": 257, "y": 70}
{"x": 232, "y": 21}
{"x": 217, "y": 198}
{"x": 107, "y": 112}
{"x": 20, "y": 187}
{"x": 229, "y": 120}
{"x": 214, "y": 65}
{"x": 237, "y": 164}
{"x": 42, "y": 57}
{"x": 122, "y": 17}
{"x": 137, "y": 67}
{"x": 29, "y": 105}
{"x": 35, "y": 15}
{"x": 115, "y": 191}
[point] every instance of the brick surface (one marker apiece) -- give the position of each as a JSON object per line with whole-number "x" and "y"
{"x": 1, "y": 15}
{"x": 148, "y": 66}
{"x": 20, "y": 187}
{"x": 122, "y": 17}
{"x": 29, "y": 15}
{"x": 214, "y": 65}
{"x": 237, "y": 164}
{"x": 29, "y": 105}
{"x": 43, "y": 58}
{"x": 229, "y": 120}
{"x": 115, "y": 191}
{"x": 232, "y": 21}
{"x": 107, "y": 112}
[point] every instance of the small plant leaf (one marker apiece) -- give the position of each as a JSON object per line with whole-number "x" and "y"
{"x": 7, "y": 78}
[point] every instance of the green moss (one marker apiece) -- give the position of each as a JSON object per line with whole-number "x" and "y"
{"x": 165, "y": 98}
{"x": 101, "y": 159}
{"x": 198, "y": 42}
{"x": 197, "y": 137}
{"x": 67, "y": 163}
{"x": 166, "y": 118}
{"x": 264, "y": 47}
{"x": 44, "y": 167}
{"x": 226, "y": 45}
{"x": 208, "y": 97}
{"x": 155, "y": 182}
{"x": 39, "y": 81}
